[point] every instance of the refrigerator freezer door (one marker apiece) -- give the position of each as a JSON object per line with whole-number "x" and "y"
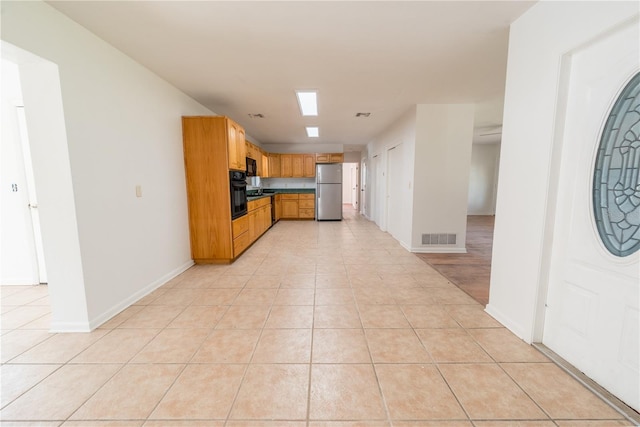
{"x": 329, "y": 203}
{"x": 329, "y": 173}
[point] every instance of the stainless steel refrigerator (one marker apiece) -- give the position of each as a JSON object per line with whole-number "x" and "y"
{"x": 329, "y": 192}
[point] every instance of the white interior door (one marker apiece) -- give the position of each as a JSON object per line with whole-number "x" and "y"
{"x": 354, "y": 186}
{"x": 378, "y": 193}
{"x": 394, "y": 193}
{"x": 32, "y": 197}
{"x": 364, "y": 207}
{"x": 592, "y": 309}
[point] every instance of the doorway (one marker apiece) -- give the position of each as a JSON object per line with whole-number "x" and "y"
{"x": 23, "y": 253}
{"x": 350, "y": 185}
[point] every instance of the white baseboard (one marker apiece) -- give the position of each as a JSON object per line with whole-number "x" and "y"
{"x": 19, "y": 281}
{"x": 508, "y": 323}
{"x": 117, "y": 308}
{"x": 57, "y": 327}
{"x": 438, "y": 250}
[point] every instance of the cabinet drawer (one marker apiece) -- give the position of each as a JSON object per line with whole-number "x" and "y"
{"x": 306, "y": 213}
{"x": 255, "y": 204}
{"x": 307, "y": 196}
{"x": 240, "y": 243}
{"x": 289, "y": 196}
{"x": 240, "y": 225}
{"x": 306, "y": 204}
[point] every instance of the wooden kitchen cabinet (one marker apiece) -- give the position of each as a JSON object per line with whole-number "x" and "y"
{"x": 286, "y": 169}
{"x": 274, "y": 165}
{"x": 278, "y": 210}
{"x": 212, "y": 145}
{"x": 330, "y": 158}
{"x": 240, "y": 229}
{"x": 236, "y": 146}
{"x": 289, "y": 206}
{"x": 259, "y": 217}
{"x": 298, "y": 206}
{"x": 265, "y": 165}
{"x": 297, "y": 165}
{"x": 309, "y": 165}
{"x": 307, "y": 206}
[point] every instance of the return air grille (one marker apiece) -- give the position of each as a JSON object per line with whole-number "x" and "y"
{"x": 439, "y": 239}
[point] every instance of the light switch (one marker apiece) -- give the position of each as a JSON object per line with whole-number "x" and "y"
{"x": 138, "y": 190}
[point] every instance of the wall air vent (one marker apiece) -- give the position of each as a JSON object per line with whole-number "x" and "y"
{"x": 256, "y": 116}
{"x": 439, "y": 239}
{"x": 363, "y": 114}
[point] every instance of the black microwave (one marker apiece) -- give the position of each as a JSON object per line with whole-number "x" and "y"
{"x": 251, "y": 167}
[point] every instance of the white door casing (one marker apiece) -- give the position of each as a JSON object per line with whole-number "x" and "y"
{"x": 592, "y": 305}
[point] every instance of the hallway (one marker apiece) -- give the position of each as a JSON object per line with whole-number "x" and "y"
{"x": 329, "y": 324}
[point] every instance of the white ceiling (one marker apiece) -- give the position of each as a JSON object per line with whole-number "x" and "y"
{"x": 382, "y": 57}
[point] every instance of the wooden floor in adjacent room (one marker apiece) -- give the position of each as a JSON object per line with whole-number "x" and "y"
{"x": 470, "y": 271}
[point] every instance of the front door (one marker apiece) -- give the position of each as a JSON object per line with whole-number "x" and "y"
{"x": 592, "y": 308}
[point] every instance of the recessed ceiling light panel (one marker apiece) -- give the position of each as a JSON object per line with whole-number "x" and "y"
{"x": 313, "y": 132}
{"x": 308, "y": 102}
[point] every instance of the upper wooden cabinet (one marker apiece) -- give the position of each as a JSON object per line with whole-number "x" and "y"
{"x": 266, "y": 173}
{"x": 297, "y": 163}
{"x": 330, "y": 158}
{"x": 236, "y": 146}
{"x": 274, "y": 165}
{"x": 286, "y": 166}
{"x": 309, "y": 165}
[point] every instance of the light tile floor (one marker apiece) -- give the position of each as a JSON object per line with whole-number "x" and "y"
{"x": 327, "y": 324}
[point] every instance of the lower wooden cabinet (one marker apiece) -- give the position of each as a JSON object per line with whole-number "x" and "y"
{"x": 278, "y": 209}
{"x": 240, "y": 243}
{"x": 240, "y": 231}
{"x": 250, "y": 227}
{"x": 307, "y": 206}
{"x": 298, "y": 206}
{"x": 289, "y": 207}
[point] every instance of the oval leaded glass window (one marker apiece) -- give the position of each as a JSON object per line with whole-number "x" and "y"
{"x": 616, "y": 178}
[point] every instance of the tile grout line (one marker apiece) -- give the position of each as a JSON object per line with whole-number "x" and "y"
{"x": 248, "y": 364}
{"x": 373, "y": 366}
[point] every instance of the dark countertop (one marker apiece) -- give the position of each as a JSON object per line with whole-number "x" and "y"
{"x": 274, "y": 191}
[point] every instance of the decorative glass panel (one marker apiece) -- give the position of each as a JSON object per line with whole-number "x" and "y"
{"x": 616, "y": 177}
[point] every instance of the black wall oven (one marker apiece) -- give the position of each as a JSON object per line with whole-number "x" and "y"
{"x": 238, "y": 194}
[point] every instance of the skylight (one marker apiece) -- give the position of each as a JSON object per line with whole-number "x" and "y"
{"x": 308, "y": 102}
{"x": 313, "y": 132}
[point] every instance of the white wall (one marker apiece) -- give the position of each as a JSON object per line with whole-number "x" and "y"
{"x": 483, "y": 179}
{"x": 537, "y": 43}
{"x": 352, "y": 157}
{"x": 18, "y": 262}
{"x": 123, "y": 129}
{"x": 402, "y": 131}
{"x": 442, "y": 160}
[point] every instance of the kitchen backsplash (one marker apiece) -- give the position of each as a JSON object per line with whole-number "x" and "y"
{"x": 257, "y": 182}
